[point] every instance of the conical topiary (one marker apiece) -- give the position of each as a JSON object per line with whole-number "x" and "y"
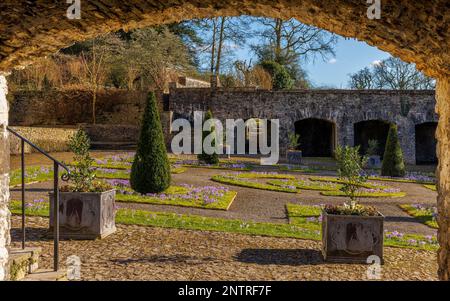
{"x": 393, "y": 165}
{"x": 204, "y": 157}
{"x": 150, "y": 172}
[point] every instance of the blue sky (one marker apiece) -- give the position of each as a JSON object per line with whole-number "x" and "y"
{"x": 351, "y": 56}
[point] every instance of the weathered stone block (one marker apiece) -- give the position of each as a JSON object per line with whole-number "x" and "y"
{"x": 294, "y": 157}
{"x": 85, "y": 215}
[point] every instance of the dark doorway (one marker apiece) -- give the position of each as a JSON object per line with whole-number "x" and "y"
{"x": 317, "y": 137}
{"x": 371, "y": 130}
{"x": 426, "y": 143}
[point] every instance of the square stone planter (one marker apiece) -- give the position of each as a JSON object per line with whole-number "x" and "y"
{"x": 374, "y": 162}
{"x": 294, "y": 157}
{"x": 351, "y": 238}
{"x": 85, "y": 215}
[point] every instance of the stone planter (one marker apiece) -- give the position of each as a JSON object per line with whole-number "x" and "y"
{"x": 294, "y": 157}
{"x": 85, "y": 215}
{"x": 374, "y": 162}
{"x": 351, "y": 238}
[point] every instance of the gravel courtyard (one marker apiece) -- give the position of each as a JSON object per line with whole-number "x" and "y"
{"x": 149, "y": 253}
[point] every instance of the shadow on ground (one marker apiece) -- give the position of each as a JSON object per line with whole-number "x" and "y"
{"x": 292, "y": 257}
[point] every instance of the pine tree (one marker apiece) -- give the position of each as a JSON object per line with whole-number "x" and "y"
{"x": 213, "y": 158}
{"x": 393, "y": 165}
{"x": 150, "y": 172}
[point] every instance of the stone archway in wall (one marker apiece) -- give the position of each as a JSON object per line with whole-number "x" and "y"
{"x": 317, "y": 137}
{"x": 371, "y": 130}
{"x": 426, "y": 143}
{"x": 415, "y": 31}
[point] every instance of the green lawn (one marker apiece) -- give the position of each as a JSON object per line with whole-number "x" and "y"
{"x": 430, "y": 186}
{"x": 423, "y": 214}
{"x": 249, "y": 184}
{"x": 307, "y": 185}
{"x": 339, "y": 181}
{"x": 400, "y": 180}
{"x": 366, "y": 194}
{"x": 124, "y": 174}
{"x": 182, "y": 196}
{"x": 32, "y": 174}
{"x": 298, "y": 228}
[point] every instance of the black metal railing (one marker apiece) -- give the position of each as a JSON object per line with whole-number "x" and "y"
{"x": 64, "y": 177}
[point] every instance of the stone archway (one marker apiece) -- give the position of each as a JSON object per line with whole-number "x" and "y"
{"x": 371, "y": 130}
{"x": 415, "y": 31}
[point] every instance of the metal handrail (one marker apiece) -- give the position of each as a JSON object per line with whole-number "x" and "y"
{"x": 64, "y": 177}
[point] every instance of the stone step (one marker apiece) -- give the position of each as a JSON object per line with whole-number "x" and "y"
{"x": 46, "y": 275}
{"x": 22, "y": 262}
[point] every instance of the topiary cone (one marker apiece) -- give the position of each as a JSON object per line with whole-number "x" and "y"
{"x": 150, "y": 172}
{"x": 393, "y": 164}
{"x": 204, "y": 157}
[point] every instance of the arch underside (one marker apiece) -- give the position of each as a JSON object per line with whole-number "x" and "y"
{"x": 415, "y": 31}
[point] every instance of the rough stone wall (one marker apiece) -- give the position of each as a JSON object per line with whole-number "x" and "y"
{"x": 4, "y": 179}
{"x": 342, "y": 107}
{"x": 29, "y": 108}
{"x": 443, "y": 174}
{"x": 49, "y": 139}
{"x": 416, "y": 31}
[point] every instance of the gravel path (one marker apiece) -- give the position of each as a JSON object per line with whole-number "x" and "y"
{"x": 149, "y": 253}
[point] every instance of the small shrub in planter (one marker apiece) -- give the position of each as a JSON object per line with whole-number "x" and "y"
{"x": 86, "y": 206}
{"x": 294, "y": 155}
{"x": 351, "y": 232}
{"x": 393, "y": 165}
{"x": 374, "y": 160}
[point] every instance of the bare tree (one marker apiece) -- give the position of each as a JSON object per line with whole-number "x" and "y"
{"x": 223, "y": 35}
{"x": 391, "y": 73}
{"x": 286, "y": 42}
{"x": 252, "y": 76}
{"x": 94, "y": 72}
{"x": 362, "y": 79}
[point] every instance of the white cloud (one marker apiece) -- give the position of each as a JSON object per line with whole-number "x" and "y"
{"x": 376, "y": 63}
{"x": 332, "y": 61}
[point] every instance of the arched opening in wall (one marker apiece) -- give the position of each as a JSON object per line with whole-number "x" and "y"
{"x": 317, "y": 137}
{"x": 426, "y": 143}
{"x": 365, "y": 131}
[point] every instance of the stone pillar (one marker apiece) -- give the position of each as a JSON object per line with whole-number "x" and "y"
{"x": 406, "y": 136}
{"x": 345, "y": 133}
{"x": 4, "y": 178}
{"x": 443, "y": 175}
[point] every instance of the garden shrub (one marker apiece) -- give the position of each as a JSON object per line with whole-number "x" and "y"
{"x": 281, "y": 78}
{"x": 393, "y": 165}
{"x": 204, "y": 157}
{"x": 150, "y": 172}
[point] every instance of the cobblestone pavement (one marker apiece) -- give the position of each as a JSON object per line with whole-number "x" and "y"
{"x": 149, "y": 253}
